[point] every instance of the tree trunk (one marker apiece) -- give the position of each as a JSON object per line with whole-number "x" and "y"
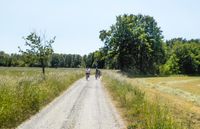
{"x": 43, "y": 68}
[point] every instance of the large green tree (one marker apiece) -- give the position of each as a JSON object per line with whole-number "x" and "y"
{"x": 39, "y": 49}
{"x": 136, "y": 42}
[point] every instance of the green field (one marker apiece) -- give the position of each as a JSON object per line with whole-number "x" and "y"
{"x": 23, "y": 91}
{"x": 143, "y": 101}
{"x": 185, "y": 83}
{"x": 168, "y": 102}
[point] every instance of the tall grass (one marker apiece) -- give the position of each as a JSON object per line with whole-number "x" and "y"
{"x": 23, "y": 92}
{"x": 139, "y": 112}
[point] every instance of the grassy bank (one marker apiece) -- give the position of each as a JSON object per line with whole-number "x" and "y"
{"x": 139, "y": 112}
{"x": 23, "y": 92}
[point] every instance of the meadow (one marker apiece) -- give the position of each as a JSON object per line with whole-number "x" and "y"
{"x": 180, "y": 93}
{"x": 155, "y": 102}
{"x": 144, "y": 102}
{"x": 24, "y": 91}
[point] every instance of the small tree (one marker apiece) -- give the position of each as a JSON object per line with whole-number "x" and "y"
{"x": 39, "y": 49}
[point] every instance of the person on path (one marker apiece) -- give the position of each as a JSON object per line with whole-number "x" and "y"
{"x": 97, "y": 73}
{"x": 87, "y": 73}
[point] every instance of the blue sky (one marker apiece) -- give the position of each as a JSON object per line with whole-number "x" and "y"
{"x": 76, "y": 23}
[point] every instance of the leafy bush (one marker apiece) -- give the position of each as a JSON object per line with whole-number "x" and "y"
{"x": 184, "y": 59}
{"x": 171, "y": 66}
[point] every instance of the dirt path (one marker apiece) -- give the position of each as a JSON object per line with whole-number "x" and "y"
{"x": 84, "y": 106}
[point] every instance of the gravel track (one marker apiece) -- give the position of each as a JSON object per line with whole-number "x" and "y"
{"x": 85, "y": 105}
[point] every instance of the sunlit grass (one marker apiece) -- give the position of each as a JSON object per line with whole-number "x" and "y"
{"x": 138, "y": 110}
{"x": 180, "y": 93}
{"x": 23, "y": 92}
{"x": 189, "y": 84}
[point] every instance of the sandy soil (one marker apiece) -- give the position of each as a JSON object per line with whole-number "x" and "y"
{"x": 85, "y": 105}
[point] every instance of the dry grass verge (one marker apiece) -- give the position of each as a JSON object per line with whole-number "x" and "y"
{"x": 138, "y": 111}
{"x": 23, "y": 92}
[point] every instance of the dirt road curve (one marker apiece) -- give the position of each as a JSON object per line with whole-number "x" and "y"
{"x": 85, "y": 105}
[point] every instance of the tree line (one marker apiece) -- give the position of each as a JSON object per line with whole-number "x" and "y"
{"x": 56, "y": 60}
{"x": 134, "y": 43}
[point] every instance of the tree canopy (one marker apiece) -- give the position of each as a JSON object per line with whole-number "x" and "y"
{"x": 136, "y": 42}
{"x": 39, "y": 49}
{"x": 183, "y": 57}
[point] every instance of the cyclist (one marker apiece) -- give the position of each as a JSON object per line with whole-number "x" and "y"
{"x": 97, "y": 73}
{"x": 87, "y": 73}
